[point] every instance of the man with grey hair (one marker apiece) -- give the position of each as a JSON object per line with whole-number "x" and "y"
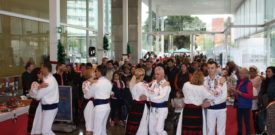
{"x": 158, "y": 95}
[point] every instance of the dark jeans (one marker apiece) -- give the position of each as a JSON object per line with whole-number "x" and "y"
{"x": 116, "y": 109}
{"x": 262, "y": 120}
{"x": 256, "y": 121}
{"x": 243, "y": 114}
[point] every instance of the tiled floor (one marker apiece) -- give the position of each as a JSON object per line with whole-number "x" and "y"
{"x": 111, "y": 131}
{"x": 119, "y": 130}
{"x": 116, "y": 130}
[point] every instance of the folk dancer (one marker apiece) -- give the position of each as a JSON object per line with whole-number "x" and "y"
{"x": 101, "y": 91}
{"x": 137, "y": 123}
{"x": 35, "y": 106}
{"x": 48, "y": 94}
{"x": 88, "y": 94}
{"x": 158, "y": 96}
{"x": 216, "y": 109}
{"x": 191, "y": 118}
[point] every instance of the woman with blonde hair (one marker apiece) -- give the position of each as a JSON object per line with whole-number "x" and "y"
{"x": 243, "y": 100}
{"x": 191, "y": 119}
{"x": 137, "y": 123}
{"x": 89, "y": 75}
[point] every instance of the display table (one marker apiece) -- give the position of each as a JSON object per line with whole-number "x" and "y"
{"x": 15, "y": 122}
{"x": 231, "y": 122}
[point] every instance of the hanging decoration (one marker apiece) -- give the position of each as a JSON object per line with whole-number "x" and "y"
{"x": 129, "y": 50}
{"x": 60, "y": 53}
{"x": 105, "y": 43}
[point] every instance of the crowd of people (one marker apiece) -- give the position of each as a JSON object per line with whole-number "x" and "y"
{"x": 140, "y": 97}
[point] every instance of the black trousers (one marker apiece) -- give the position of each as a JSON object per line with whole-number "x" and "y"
{"x": 256, "y": 121}
{"x": 116, "y": 109}
{"x": 243, "y": 114}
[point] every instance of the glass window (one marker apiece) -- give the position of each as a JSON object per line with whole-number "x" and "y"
{"x": 260, "y": 13}
{"x": 17, "y": 37}
{"x": 247, "y": 17}
{"x": 76, "y": 45}
{"x": 253, "y": 15}
{"x": 37, "y": 8}
{"x": 272, "y": 47}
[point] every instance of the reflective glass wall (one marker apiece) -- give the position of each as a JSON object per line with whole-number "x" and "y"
{"x": 253, "y": 39}
{"x": 23, "y": 39}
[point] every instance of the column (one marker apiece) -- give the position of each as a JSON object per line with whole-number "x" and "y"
{"x": 117, "y": 28}
{"x": 150, "y": 26}
{"x": 170, "y": 42}
{"x": 134, "y": 28}
{"x": 226, "y": 41}
{"x": 157, "y": 49}
{"x": 87, "y": 32}
{"x": 125, "y": 26}
{"x": 54, "y": 14}
{"x": 191, "y": 47}
{"x": 100, "y": 33}
{"x": 162, "y": 36}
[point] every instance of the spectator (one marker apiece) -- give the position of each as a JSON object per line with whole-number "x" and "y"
{"x": 36, "y": 79}
{"x": 271, "y": 85}
{"x": 60, "y": 75}
{"x": 126, "y": 74}
{"x": 110, "y": 70}
{"x": 104, "y": 61}
{"x": 149, "y": 72}
{"x": 243, "y": 101}
{"x": 256, "y": 81}
{"x": 140, "y": 64}
{"x": 182, "y": 77}
{"x": 171, "y": 72}
{"x": 26, "y": 78}
{"x": 89, "y": 66}
{"x": 117, "y": 99}
{"x": 178, "y": 105}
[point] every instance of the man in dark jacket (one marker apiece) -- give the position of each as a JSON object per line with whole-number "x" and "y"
{"x": 26, "y": 78}
{"x": 149, "y": 72}
{"x": 171, "y": 73}
{"x": 60, "y": 75}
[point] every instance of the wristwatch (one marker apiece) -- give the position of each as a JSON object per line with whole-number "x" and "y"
{"x": 212, "y": 103}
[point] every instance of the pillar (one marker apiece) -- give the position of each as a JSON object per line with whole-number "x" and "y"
{"x": 100, "y": 33}
{"x": 134, "y": 28}
{"x": 162, "y": 37}
{"x": 54, "y": 14}
{"x": 125, "y": 26}
{"x": 117, "y": 36}
{"x": 157, "y": 49}
{"x": 150, "y": 25}
{"x": 87, "y": 32}
{"x": 192, "y": 47}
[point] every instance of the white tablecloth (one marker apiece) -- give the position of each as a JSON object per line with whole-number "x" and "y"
{"x": 13, "y": 114}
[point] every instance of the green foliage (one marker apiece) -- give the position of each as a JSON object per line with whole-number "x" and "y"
{"x": 128, "y": 48}
{"x": 105, "y": 43}
{"x": 146, "y": 27}
{"x": 180, "y": 23}
{"x": 60, "y": 53}
{"x": 177, "y": 23}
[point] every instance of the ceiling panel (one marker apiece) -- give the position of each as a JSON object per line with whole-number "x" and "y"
{"x": 188, "y": 7}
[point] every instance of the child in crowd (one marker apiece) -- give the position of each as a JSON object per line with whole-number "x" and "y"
{"x": 178, "y": 105}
